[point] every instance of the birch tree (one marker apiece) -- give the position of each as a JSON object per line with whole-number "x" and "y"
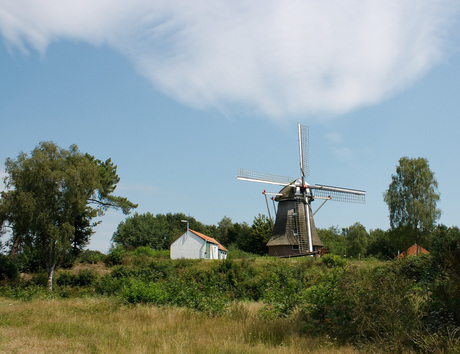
{"x": 51, "y": 197}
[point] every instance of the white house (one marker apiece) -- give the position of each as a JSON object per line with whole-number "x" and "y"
{"x": 193, "y": 244}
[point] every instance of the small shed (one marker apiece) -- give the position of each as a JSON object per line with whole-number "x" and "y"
{"x": 412, "y": 251}
{"x": 194, "y": 245}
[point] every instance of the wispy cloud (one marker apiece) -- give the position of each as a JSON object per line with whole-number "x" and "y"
{"x": 277, "y": 58}
{"x": 334, "y": 137}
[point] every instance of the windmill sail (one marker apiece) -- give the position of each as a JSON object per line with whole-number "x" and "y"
{"x": 303, "y": 150}
{"x": 261, "y": 177}
{"x": 339, "y": 194}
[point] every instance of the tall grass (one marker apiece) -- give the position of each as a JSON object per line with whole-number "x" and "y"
{"x": 104, "y": 326}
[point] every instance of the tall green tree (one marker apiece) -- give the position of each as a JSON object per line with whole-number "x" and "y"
{"x": 333, "y": 240}
{"x": 254, "y": 239}
{"x": 157, "y": 232}
{"x": 224, "y": 231}
{"x": 357, "y": 240}
{"x": 380, "y": 244}
{"x": 51, "y": 197}
{"x": 412, "y": 198}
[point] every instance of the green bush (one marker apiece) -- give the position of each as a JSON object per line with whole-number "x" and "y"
{"x": 91, "y": 257}
{"x": 8, "y": 269}
{"x": 150, "y": 252}
{"x": 108, "y": 285}
{"x": 115, "y": 256}
{"x": 333, "y": 261}
{"x": 26, "y": 291}
{"x": 84, "y": 277}
{"x": 236, "y": 253}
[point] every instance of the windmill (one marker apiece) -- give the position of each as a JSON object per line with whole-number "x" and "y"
{"x": 294, "y": 232}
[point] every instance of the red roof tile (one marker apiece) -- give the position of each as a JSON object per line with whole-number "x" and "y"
{"x": 412, "y": 251}
{"x": 209, "y": 239}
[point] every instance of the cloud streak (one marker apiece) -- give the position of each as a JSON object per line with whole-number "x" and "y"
{"x": 275, "y": 58}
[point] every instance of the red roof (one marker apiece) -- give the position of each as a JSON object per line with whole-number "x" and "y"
{"x": 209, "y": 239}
{"x": 412, "y": 251}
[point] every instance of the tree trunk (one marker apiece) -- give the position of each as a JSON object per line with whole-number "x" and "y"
{"x": 50, "y": 277}
{"x": 15, "y": 247}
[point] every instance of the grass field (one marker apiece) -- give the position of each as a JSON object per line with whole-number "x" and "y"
{"x": 101, "y": 325}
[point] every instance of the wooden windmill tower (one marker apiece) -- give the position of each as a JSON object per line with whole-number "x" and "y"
{"x": 294, "y": 232}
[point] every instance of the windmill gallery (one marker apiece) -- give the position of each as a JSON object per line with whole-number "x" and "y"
{"x": 294, "y": 232}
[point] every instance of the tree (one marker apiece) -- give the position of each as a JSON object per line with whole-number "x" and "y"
{"x": 143, "y": 230}
{"x": 412, "y": 198}
{"x": 380, "y": 245}
{"x": 357, "y": 240}
{"x": 224, "y": 228}
{"x": 52, "y": 196}
{"x": 254, "y": 240}
{"x": 333, "y": 240}
{"x": 157, "y": 232}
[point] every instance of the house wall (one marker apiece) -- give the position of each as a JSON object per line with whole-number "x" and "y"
{"x": 214, "y": 252}
{"x": 188, "y": 246}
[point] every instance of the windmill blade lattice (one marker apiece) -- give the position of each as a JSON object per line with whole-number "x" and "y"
{"x": 351, "y": 196}
{"x": 261, "y": 177}
{"x": 304, "y": 150}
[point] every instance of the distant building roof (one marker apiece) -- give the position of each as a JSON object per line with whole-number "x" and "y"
{"x": 412, "y": 251}
{"x": 209, "y": 239}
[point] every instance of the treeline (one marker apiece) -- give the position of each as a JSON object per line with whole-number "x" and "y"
{"x": 159, "y": 231}
{"x": 356, "y": 242}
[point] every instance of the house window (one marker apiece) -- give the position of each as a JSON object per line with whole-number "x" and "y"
{"x": 295, "y": 247}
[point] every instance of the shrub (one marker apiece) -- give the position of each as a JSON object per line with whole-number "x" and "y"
{"x": 115, "y": 256}
{"x": 91, "y": 257}
{"x": 108, "y": 285}
{"x": 8, "y": 269}
{"x": 84, "y": 277}
{"x": 150, "y": 252}
{"x": 236, "y": 253}
{"x": 333, "y": 261}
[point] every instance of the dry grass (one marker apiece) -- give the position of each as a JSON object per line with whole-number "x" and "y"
{"x": 102, "y": 326}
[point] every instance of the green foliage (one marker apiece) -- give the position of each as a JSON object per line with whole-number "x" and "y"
{"x": 91, "y": 257}
{"x": 50, "y": 198}
{"x": 150, "y": 252}
{"x": 235, "y": 253}
{"x": 115, "y": 256}
{"x": 396, "y": 306}
{"x": 255, "y": 240}
{"x": 8, "y": 269}
{"x": 157, "y": 232}
{"x": 412, "y": 198}
{"x": 281, "y": 291}
{"x": 445, "y": 251}
{"x": 85, "y": 277}
{"x": 25, "y": 291}
{"x": 333, "y": 261}
{"x": 357, "y": 240}
{"x": 381, "y": 245}
{"x": 333, "y": 240}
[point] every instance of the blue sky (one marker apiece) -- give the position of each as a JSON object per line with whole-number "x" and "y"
{"x": 181, "y": 97}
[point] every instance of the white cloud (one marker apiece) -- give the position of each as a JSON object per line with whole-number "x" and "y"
{"x": 277, "y": 58}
